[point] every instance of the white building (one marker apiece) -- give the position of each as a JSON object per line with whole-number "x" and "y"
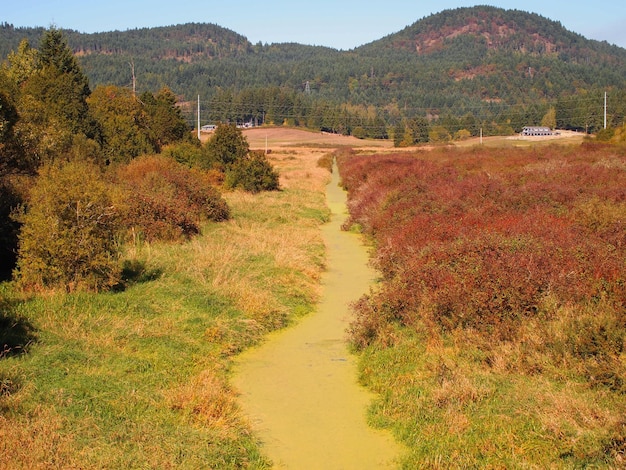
{"x": 536, "y": 130}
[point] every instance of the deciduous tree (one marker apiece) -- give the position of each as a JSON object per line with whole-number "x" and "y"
{"x": 68, "y": 235}
{"x": 227, "y": 145}
{"x": 124, "y": 123}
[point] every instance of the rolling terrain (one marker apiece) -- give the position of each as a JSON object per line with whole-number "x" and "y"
{"x": 478, "y": 65}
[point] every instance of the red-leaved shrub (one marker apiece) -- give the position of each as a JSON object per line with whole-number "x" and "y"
{"x": 166, "y": 200}
{"x": 479, "y": 238}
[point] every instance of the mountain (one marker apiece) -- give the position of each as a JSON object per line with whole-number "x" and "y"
{"x": 484, "y": 62}
{"x": 187, "y": 42}
{"x": 483, "y": 41}
{"x": 496, "y": 30}
{"x": 484, "y": 56}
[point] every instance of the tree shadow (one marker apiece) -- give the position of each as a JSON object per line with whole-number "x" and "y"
{"x": 9, "y": 230}
{"x": 136, "y": 272}
{"x": 16, "y": 332}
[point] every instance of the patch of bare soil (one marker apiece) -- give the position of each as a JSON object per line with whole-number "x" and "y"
{"x": 273, "y": 137}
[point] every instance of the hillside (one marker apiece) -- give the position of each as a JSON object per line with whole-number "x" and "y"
{"x": 493, "y": 67}
{"x": 498, "y": 30}
{"x": 185, "y": 43}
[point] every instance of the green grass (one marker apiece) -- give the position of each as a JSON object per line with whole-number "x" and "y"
{"x": 107, "y": 365}
{"x": 451, "y": 411}
{"x": 139, "y": 378}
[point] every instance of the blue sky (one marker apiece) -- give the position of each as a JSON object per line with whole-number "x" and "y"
{"x": 333, "y": 23}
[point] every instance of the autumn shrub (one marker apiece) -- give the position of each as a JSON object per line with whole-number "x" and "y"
{"x": 166, "y": 200}
{"x": 68, "y": 236}
{"x": 326, "y": 161}
{"x": 605, "y": 135}
{"x": 253, "y": 173}
{"x": 473, "y": 243}
{"x": 496, "y": 335}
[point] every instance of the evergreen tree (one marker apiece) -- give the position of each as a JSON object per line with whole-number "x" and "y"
{"x": 60, "y": 82}
{"x": 398, "y": 134}
{"x": 420, "y": 130}
{"x": 253, "y": 174}
{"x": 9, "y": 150}
{"x": 51, "y": 99}
{"x": 227, "y": 146}
{"x": 166, "y": 122}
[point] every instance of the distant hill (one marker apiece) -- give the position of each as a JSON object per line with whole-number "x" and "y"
{"x": 498, "y": 30}
{"x": 486, "y": 41}
{"x": 483, "y": 61}
{"x": 187, "y": 42}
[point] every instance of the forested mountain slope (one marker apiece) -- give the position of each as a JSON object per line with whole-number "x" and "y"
{"x": 497, "y": 54}
{"x": 486, "y": 65}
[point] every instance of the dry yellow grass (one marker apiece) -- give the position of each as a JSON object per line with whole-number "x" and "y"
{"x": 206, "y": 401}
{"x": 267, "y": 227}
{"x": 34, "y": 442}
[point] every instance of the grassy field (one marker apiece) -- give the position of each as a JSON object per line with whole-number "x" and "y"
{"x": 139, "y": 378}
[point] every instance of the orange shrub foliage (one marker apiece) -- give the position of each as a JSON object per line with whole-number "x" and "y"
{"x": 166, "y": 200}
{"x": 479, "y": 238}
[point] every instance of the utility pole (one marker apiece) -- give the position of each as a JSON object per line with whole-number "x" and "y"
{"x": 198, "y": 117}
{"x": 605, "y": 109}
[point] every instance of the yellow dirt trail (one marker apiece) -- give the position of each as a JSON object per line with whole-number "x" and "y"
{"x": 300, "y": 387}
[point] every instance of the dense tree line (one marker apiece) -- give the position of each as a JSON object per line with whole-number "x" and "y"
{"x": 51, "y": 112}
{"x": 504, "y": 68}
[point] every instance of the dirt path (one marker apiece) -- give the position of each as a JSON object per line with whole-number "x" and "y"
{"x": 300, "y": 389}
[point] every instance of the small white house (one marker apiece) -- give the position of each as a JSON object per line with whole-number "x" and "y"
{"x": 536, "y": 130}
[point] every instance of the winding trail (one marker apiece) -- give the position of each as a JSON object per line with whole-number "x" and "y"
{"x": 300, "y": 387}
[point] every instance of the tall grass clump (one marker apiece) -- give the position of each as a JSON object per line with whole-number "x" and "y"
{"x": 502, "y": 303}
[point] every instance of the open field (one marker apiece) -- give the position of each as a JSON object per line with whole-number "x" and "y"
{"x": 301, "y": 138}
{"x": 140, "y": 378}
{"x": 277, "y": 137}
{"x": 562, "y": 138}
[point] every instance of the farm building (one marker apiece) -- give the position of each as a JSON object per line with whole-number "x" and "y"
{"x": 532, "y": 130}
